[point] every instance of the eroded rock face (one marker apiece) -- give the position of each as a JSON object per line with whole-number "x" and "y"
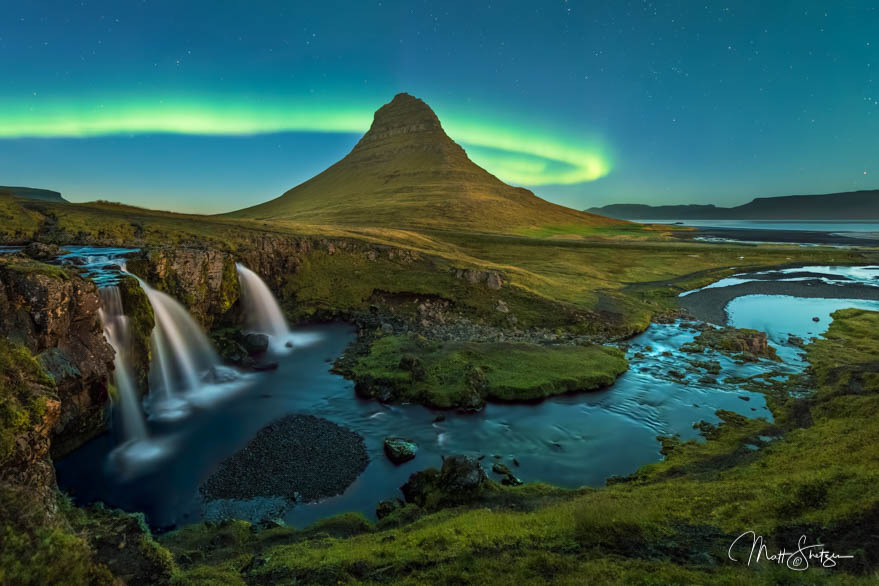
{"x": 54, "y": 314}
{"x": 204, "y": 280}
{"x": 30, "y": 466}
{"x": 491, "y": 279}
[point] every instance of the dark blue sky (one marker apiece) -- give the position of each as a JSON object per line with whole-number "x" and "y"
{"x": 211, "y": 106}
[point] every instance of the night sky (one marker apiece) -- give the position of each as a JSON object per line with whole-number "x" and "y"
{"x": 216, "y": 105}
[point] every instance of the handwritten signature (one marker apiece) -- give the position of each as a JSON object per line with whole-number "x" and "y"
{"x": 798, "y": 559}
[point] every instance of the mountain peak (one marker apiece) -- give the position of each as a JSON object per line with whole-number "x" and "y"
{"x": 405, "y": 119}
{"x": 406, "y": 172}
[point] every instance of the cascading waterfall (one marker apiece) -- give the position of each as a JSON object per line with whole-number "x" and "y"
{"x": 116, "y": 330}
{"x": 182, "y": 355}
{"x": 261, "y": 311}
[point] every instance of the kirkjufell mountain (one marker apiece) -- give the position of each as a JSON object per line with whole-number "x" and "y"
{"x": 406, "y": 172}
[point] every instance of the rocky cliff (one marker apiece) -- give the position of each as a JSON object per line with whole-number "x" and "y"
{"x": 53, "y": 313}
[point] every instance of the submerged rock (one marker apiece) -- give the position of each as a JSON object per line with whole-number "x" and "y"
{"x": 255, "y": 343}
{"x": 400, "y": 450}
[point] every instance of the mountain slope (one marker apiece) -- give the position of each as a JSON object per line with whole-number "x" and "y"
{"x": 854, "y": 205}
{"x": 32, "y": 193}
{"x": 406, "y": 172}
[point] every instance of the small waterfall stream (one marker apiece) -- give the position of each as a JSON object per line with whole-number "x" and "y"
{"x": 182, "y": 355}
{"x": 116, "y": 330}
{"x": 261, "y": 311}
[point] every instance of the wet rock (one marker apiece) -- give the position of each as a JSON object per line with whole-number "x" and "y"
{"x": 461, "y": 479}
{"x": 254, "y": 343}
{"x": 509, "y": 479}
{"x": 462, "y": 474}
{"x": 816, "y": 319}
{"x": 795, "y": 341}
{"x": 400, "y": 450}
{"x": 263, "y": 365}
{"x": 386, "y": 507}
{"x": 40, "y": 251}
{"x": 707, "y": 380}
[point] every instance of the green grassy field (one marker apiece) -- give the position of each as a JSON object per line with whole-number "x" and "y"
{"x": 466, "y": 374}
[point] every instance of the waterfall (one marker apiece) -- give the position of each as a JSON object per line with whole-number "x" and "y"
{"x": 261, "y": 311}
{"x": 182, "y": 355}
{"x": 116, "y": 330}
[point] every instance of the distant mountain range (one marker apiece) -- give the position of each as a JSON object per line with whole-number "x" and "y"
{"x": 32, "y": 193}
{"x": 853, "y": 205}
{"x": 407, "y": 173}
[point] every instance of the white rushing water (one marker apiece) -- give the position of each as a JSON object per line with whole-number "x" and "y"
{"x": 182, "y": 355}
{"x": 261, "y": 311}
{"x": 116, "y": 330}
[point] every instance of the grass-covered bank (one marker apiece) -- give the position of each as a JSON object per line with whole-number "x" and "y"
{"x": 411, "y": 368}
{"x": 812, "y": 472}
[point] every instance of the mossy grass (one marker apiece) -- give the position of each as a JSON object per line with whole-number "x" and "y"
{"x": 411, "y": 368}
{"x": 24, "y": 388}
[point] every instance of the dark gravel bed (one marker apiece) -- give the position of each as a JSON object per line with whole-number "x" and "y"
{"x": 297, "y": 457}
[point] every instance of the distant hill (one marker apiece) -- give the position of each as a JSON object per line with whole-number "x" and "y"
{"x": 31, "y": 193}
{"x": 407, "y": 173}
{"x": 854, "y": 205}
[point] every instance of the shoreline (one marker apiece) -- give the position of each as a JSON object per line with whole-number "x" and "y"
{"x": 770, "y": 235}
{"x": 709, "y": 305}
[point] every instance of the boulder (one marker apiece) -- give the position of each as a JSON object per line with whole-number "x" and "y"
{"x": 461, "y": 479}
{"x": 254, "y": 343}
{"x": 400, "y": 450}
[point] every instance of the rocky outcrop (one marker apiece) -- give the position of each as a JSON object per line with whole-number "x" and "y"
{"x": 54, "y": 314}
{"x": 202, "y": 279}
{"x": 206, "y": 282}
{"x": 141, "y": 321}
{"x": 491, "y": 279}
{"x": 747, "y": 344}
{"x": 460, "y": 480}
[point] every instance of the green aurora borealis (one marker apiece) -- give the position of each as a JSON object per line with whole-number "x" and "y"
{"x": 516, "y": 154}
{"x": 211, "y": 106}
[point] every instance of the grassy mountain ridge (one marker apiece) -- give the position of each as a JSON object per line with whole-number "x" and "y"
{"x": 32, "y": 193}
{"x": 406, "y": 172}
{"x": 862, "y": 205}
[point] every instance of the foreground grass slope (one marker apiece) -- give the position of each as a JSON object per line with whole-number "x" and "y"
{"x": 812, "y": 472}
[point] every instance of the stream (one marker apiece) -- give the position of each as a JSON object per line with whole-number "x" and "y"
{"x": 570, "y": 441}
